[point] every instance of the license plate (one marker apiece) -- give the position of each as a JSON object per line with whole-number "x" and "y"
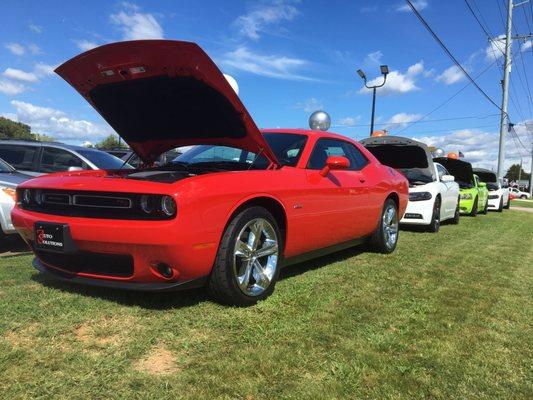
{"x": 50, "y": 236}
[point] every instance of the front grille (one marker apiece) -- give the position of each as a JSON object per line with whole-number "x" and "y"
{"x": 90, "y": 263}
{"x": 493, "y": 196}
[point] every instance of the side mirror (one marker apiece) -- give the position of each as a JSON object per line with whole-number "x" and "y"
{"x": 482, "y": 184}
{"x": 335, "y": 162}
{"x": 72, "y": 169}
{"x": 447, "y": 178}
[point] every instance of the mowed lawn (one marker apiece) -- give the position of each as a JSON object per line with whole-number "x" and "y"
{"x": 448, "y": 316}
{"x": 522, "y": 203}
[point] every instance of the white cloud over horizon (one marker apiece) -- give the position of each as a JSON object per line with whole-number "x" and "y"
{"x": 419, "y": 5}
{"x": 85, "y": 45}
{"x": 56, "y": 123}
{"x": 451, "y": 75}
{"x": 400, "y": 120}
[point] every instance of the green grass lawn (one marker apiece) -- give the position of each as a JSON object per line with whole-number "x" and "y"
{"x": 522, "y": 203}
{"x": 448, "y": 316}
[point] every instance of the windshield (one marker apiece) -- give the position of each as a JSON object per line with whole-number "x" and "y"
{"x": 287, "y": 148}
{"x": 103, "y": 160}
{"x": 5, "y": 167}
{"x": 492, "y": 186}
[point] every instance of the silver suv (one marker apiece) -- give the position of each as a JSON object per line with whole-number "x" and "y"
{"x": 38, "y": 158}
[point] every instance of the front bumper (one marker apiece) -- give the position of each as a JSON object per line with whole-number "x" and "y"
{"x": 181, "y": 244}
{"x": 5, "y": 217}
{"x": 138, "y": 286}
{"x": 494, "y": 204}
{"x": 418, "y": 213}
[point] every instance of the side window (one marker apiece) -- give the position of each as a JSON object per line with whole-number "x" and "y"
{"x": 442, "y": 171}
{"x": 334, "y": 147}
{"x": 20, "y": 156}
{"x": 55, "y": 160}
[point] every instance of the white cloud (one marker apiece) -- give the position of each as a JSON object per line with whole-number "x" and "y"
{"x": 451, "y": 75}
{"x": 374, "y": 58}
{"x": 11, "y": 88}
{"x": 56, "y": 123}
{"x": 15, "y": 48}
{"x": 42, "y": 70}
{"x": 34, "y": 49}
{"x": 19, "y": 75}
{"x": 35, "y": 28}
{"x": 496, "y": 48}
{"x": 136, "y": 25}
{"x": 419, "y": 5}
{"x": 480, "y": 147}
{"x": 86, "y": 44}
{"x": 309, "y": 105}
{"x": 397, "y": 82}
{"x": 255, "y": 22}
{"x": 402, "y": 119}
{"x": 348, "y": 121}
{"x": 272, "y": 66}
{"x": 528, "y": 44}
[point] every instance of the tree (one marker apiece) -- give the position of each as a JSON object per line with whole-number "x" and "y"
{"x": 111, "y": 142}
{"x": 14, "y": 130}
{"x": 514, "y": 172}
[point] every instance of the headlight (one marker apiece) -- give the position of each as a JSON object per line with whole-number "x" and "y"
{"x": 466, "y": 196}
{"x": 10, "y": 192}
{"x": 419, "y": 196}
{"x": 26, "y": 196}
{"x": 168, "y": 205}
{"x": 148, "y": 203}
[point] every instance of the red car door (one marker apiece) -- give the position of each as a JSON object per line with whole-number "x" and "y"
{"x": 334, "y": 204}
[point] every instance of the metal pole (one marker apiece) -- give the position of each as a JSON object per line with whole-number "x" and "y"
{"x": 520, "y": 170}
{"x": 373, "y": 110}
{"x": 531, "y": 175}
{"x": 504, "y": 119}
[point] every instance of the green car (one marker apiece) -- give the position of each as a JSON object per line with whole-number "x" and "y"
{"x": 474, "y": 195}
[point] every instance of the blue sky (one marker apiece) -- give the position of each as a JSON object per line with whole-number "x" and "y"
{"x": 289, "y": 58}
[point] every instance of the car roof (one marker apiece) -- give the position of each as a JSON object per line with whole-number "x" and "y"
{"x": 308, "y": 132}
{"x": 37, "y": 143}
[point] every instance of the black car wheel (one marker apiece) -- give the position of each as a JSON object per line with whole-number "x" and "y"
{"x": 457, "y": 215}
{"x": 486, "y": 208}
{"x": 248, "y": 260}
{"x": 500, "y": 207}
{"x": 435, "y": 219}
{"x": 473, "y": 213}
{"x": 385, "y": 237}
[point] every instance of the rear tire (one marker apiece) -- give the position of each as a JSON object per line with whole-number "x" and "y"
{"x": 508, "y": 204}
{"x": 523, "y": 197}
{"x": 248, "y": 260}
{"x": 385, "y": 237}
{"x": 434, "y": 225}
{"x": 473, "y": 213}
{"x": 457, "y": 215}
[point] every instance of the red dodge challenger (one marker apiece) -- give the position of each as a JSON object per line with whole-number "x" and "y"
{"x": 228, "y": 214}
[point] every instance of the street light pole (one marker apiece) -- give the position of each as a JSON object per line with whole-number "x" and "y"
{"x": 384, "y": 71}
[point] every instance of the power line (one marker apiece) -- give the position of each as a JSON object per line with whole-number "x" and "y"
{"x": 448, "y": 52}
{"x": 448, "y": 99}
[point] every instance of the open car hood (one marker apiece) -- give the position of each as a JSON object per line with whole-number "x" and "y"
{"x": 486, "y": 175}
{"x": 162, "y": 94}
{"x": 461, "y": 170}
{"x": 409, "y": 156}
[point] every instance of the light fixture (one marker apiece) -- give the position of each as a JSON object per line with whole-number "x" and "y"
{"x": 384, "y": 69}
{"x": 361, "y": 73}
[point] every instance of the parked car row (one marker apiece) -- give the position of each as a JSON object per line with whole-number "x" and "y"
{"x": 242, "y": 203}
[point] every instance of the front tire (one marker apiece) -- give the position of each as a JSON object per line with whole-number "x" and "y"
{"x": 500, "y": 207}
{"x": 457, "y": 215}
{"x": 473, "y": 213}
{"x": 508, "y": 204}
{"x": 385, "y": 237}
{"x": 434, "y": 225}
{"x": 486, "y": 208}
{"x": 248, "y": 260}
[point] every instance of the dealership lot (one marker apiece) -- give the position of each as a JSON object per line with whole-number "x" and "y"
{"x": 448, "y": 315}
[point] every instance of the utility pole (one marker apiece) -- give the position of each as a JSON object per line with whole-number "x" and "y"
{"x": 504, "y": 119}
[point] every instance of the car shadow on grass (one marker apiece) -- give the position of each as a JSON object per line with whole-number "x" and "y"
{"x": 184, "y": 298}
{"x": 13, "y": 245}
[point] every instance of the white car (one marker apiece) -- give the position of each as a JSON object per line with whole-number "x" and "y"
{"x": 433, "y": 192}
{"x": 498, "y": 191}
{"x": 9, "y": 179}
{"x": 518, "y": 193}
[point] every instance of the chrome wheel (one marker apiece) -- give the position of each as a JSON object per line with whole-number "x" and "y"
{"x": 255, "y": 257}
{"x": 390, "y": 226}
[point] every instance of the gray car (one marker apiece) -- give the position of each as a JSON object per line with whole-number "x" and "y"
{"x": 9, "y": 179}
{"x": 38, "y": 158}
